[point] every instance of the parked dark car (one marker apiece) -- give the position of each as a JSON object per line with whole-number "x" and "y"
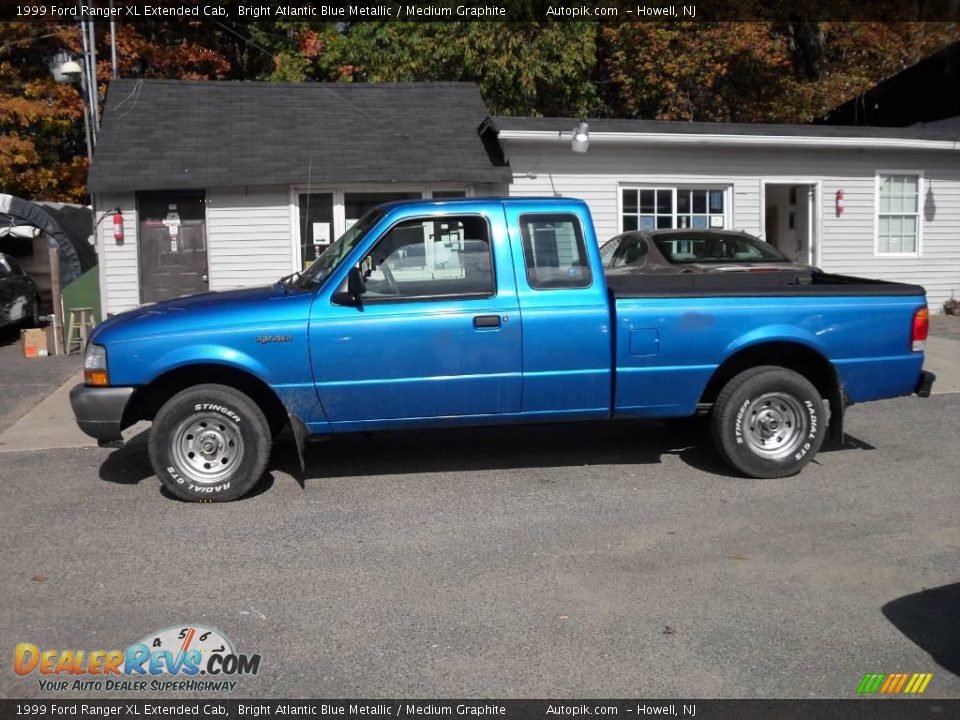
{"x": 19, "y": 295}
{"x": 679, "y": 251}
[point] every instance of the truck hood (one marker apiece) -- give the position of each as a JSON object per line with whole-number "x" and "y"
{"x": 206, "y": 312}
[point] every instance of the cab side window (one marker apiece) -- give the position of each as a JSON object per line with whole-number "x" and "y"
{"x": 554, "y": 251}
{"x": 430, "y": 258}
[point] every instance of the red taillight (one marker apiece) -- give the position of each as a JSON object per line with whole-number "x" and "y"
{"x": 921, "y": 324}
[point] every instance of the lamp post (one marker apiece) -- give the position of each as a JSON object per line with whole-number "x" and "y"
{"x": 66, "y": 70}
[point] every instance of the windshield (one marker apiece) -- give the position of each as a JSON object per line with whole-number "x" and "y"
{"x": 320, "y": 269}
{"x": 700, "y": 247}
{"x": 608, "y": 249}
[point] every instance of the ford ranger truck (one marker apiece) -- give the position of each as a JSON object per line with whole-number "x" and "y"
{"x": 429, "y": 314}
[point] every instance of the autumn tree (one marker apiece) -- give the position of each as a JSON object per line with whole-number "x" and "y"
{"x": 737, "y": 72}
{"x": 755, "y": 72}
{"x": 42, "y": 147}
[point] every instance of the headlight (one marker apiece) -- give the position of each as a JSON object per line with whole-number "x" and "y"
{"x": 95, "y": 365}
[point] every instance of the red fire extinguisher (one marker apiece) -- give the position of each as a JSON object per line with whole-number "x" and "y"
{"x": 118, "y": 225}
{"x": 839, "y": 202}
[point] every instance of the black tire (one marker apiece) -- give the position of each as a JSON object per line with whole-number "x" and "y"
{"x": 210, "y": 443}
{"x": 768, "y": 422}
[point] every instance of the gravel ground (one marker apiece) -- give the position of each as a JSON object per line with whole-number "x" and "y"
{"x": 27, "y": 381}
{"x": 947, "y": 326}
{"x": 582, "y": 560}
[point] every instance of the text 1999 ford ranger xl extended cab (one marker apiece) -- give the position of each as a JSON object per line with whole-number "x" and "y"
{"x": 441, "y": 313}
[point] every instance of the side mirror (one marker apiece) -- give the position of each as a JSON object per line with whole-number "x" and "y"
{"x": 352, "y": 295}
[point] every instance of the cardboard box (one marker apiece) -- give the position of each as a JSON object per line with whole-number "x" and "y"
{"x": 34, "y": 342}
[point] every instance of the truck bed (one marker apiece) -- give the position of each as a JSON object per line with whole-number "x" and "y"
{"x": 804, "y": 283}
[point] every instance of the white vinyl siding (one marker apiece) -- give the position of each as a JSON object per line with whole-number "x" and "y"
{"x": 119, "y": 276}
{"x": 847, "y": 241}
{"x": 248, "y": 236}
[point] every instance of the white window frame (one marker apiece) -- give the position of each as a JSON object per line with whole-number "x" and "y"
{"x": 673, "y": 188}
{"x": 878, "y": 175}
{"x": 339, "y": 206}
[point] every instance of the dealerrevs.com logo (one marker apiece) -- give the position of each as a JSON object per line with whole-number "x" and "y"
{"x": 186, "y": 657}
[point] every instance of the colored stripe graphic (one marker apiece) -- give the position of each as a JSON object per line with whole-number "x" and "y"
{"x": 870, "y": 683}
{"x": 894, "y": 683}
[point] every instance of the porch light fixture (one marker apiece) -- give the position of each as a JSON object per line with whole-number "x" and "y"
{"x": 580, "y": 138}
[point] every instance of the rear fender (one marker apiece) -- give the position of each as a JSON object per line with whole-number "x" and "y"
{"x": 775, "y": 333}
{"x": 834, "y": 394}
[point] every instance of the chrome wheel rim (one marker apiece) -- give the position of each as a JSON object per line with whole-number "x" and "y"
{"x": 776, "y": 424}
{"x": 207, "y": 448}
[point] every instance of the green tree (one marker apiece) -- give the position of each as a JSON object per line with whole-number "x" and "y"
{"x": 521, "y": 68}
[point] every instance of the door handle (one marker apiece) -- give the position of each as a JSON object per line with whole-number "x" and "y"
{"x": 486, "y": 321}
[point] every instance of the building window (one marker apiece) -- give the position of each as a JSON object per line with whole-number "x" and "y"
{"x": 321, "y": 215}
{"x": 316, "y": 224}
{"x": 356, "y": 204}
{"x": 658, "y": 208}
{"x": 898, "y": 216}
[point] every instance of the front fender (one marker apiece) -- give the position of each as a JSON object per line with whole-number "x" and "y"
{"x": 208, "y": 353}
{"x": 143, "y": 362}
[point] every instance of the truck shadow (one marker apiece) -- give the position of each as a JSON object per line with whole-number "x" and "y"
{"x": 931, "y": 619}
{"x": 627, "y": 442}
{"x": 505, "y": 447}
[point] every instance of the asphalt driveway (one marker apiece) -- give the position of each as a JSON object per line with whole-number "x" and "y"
{"x": 582, "y": 560}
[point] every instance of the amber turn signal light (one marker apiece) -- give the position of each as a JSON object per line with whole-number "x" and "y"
{"x": 96, "y": 377}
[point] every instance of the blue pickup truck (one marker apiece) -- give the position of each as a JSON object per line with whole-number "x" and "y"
{"x": 495, "y": 310}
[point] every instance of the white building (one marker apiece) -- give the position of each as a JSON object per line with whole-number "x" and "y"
{"x": 898, "y": 219}
{"x": 223, "y": 185}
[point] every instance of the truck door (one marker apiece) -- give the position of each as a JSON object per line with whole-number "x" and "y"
{"x": 437, "y": 335}
{"x": 565, "y": 311}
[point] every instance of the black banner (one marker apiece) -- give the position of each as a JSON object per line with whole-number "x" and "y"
{"x": 874, "y": 709}
{"x": 609, "y": 11}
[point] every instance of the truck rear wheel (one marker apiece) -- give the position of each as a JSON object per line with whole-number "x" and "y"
{"x": 768, "y": 422}
{"x": 210, "y": 443}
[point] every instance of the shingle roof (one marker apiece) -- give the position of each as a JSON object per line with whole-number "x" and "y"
{"x": 601, "y": 125}
{"x": 169, "y": 134}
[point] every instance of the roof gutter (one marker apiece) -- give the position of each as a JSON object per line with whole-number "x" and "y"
{"x": 735, "y": 140}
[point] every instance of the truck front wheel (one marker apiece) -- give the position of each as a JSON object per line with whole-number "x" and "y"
{"x": 210, "y": 443}
{"x": 768, "y": 422}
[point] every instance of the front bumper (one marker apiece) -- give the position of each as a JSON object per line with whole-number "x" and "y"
{"x": 925, "y": 384}
{"x": 99, "y": 410}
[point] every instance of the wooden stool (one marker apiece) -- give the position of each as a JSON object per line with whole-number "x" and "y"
{"x": 79, "y": 327}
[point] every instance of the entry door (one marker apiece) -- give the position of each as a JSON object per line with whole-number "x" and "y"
{"x": 172, "y": 245}
{"x": 436, "y": 339}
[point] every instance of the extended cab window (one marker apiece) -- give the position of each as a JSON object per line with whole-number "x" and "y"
{"x": 554, "y": 252}
{"x": 430, "y": 258}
